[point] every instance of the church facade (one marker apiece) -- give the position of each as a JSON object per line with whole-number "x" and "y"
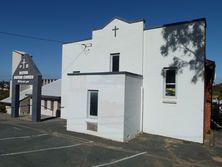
{"x": 128, "y": 79}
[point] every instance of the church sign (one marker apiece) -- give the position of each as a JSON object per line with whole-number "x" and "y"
{"x": 27, "y": 73}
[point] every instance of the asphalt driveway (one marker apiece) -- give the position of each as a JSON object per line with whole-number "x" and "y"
{"x": 24, "y": 143}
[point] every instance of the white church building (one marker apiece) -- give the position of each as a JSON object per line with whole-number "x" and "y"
{"x": 128, "y": 79}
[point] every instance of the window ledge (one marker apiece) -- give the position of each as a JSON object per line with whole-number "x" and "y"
{"x": 170, "y": 100}
{"x": 92, "y": 120}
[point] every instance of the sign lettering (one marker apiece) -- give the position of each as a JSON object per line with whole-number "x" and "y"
{"x": 23, "y": 72}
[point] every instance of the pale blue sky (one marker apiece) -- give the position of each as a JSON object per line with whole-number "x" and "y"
{"x": 66, "y": 20}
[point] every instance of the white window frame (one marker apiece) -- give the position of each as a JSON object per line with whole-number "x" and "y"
{"x": 111, "y": 61}
{"x": 169, "y": 99}
{"x": 88, "y": 104}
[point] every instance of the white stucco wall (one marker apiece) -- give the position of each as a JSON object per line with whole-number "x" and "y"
{"x": 128, "y": 42}
{"x": 16, "y": 58}
{"x": 183, "y": 120}
{"x": 8, "y": 109}
{"x": 133, "y": 111}
{"x": 139, "y": 53}
{"x": 48, "y": 111}
{"x": 110, "y": 118}
{"x": 119, "y": 105}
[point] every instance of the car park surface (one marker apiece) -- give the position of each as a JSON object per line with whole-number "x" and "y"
{"x": 47, "y": 143}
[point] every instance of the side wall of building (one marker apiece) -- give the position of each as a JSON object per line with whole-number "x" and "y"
{"x": 110, "y": 119}
{"x": 51, "y": 110}
{"x": 183, "y": 117}
{"x": 133, "y": 108}
{"x": 72, "y": 55}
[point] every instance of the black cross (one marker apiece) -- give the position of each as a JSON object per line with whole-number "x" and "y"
{"x": 115, "y": 29}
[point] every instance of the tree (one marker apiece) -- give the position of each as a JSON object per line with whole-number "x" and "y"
{"x": 217, "y": 90}
{"x": 189, "y": 39}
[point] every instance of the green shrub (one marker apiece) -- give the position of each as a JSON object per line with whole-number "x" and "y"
{"x": 2, "y": 108}
{"x": 217, "y": 90}
{"x": 3, "y": 94}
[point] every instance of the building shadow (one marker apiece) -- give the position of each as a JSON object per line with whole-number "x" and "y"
{"x": 47, "y": 118}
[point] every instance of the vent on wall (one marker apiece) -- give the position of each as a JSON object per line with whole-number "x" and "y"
{"x": 92, "y": 126}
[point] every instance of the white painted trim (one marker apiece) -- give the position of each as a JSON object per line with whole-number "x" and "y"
{"x": 17, "y": 128}
{"x": 142, "y": 108}
{"x": 41, "y": 150}
{"x": 122, "y": 159}
{"x": 111, "y": 60}
{"x": 170, "y": 99}
{"x": 21, "y": 137}
{"x": 13, "y": 138}
{"x": 92, "y": 120}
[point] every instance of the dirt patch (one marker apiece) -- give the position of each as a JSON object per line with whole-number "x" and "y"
{"x": 217, "y": 159}
{"x": 172, "y": 142}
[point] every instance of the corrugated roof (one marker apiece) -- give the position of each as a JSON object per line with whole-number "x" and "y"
{"x": 52, "y": 89}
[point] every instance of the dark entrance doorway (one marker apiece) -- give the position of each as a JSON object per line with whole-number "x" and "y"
{"x": 27, "y": 73}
